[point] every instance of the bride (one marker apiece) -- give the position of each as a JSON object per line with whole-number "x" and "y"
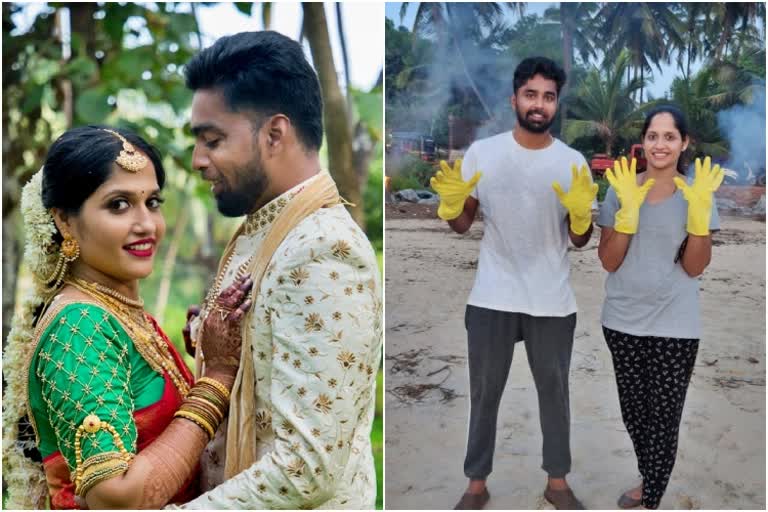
{"x": 100, "y": 409}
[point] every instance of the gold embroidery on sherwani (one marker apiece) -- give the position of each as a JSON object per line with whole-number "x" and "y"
{"x": 315, "y": 194}
{"x": 321, "y": 410}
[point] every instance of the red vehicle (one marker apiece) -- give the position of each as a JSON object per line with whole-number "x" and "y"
{"x": 600, "y": 161}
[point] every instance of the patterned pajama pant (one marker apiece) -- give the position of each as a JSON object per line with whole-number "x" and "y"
{"x": 652, "y": 376}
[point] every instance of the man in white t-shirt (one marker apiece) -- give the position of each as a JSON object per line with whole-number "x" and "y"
{"x": 521, "y": 289}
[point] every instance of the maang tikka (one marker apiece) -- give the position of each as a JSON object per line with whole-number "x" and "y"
{"x": 129, "y": 159}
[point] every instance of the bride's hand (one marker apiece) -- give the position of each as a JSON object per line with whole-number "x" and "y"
{"x": 221, "y": 333}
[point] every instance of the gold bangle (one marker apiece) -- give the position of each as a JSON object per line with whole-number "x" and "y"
{"x": 196, "y": 419}
{"x": 216, "y": 384}
{"x": 212, "y": 395}
{"x": 209, "y": 395}
{"x": 202, "y": 403}
{"x": 205, "y": 409}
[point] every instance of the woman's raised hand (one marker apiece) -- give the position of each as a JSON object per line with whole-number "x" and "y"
{"x": 699, "y": 195}
{"x": 623, "y": 179}
{"x": 221, "y": 336}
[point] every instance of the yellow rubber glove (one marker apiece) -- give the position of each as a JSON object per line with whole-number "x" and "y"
{"x": 452, "y": 188}
{"x": 699, "y": 195}
{"x": 578, "y": 200}
{"x": 623, "y": 179}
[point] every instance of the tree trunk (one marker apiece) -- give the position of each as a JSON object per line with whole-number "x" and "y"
{"x": 266, "y": 15}
{"x": 567, "y": 30}
{"x": 198, "y": 36}
{"x": 65, "y": 84}
{"x": 15, "y": 175}
{"x": 338, "y": 131}
{"x": 725, "y": 35}
{"x": 82, "y": 22}
{"x": 11, "y": 261}
{"x": 472, "y": 84}
{"x": 451, "y": 34}
{"x": 344, "y": 59}
{"x": 83, "y": 26}
{"x": 634, "y": 77}
{"x": 169, "y": 262}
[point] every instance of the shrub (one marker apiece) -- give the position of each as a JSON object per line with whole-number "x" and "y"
{"x": 411, "y": 172}
{"x": 603, "y": 184}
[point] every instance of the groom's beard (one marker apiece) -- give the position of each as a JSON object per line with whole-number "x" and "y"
{"x": 252, "y": 183}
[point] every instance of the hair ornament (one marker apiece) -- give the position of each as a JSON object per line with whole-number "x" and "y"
{"x": 129, "y": 159}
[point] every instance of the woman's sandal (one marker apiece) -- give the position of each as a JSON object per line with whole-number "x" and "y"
{"x": 626, "y": 501}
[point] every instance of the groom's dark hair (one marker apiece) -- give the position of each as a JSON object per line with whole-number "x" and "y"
{"x": 265, "y": 72}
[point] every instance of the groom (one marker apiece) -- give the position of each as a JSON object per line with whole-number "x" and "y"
{"x": 298, "y": 433}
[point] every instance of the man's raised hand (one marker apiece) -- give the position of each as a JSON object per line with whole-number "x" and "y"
{"x": 453, "y": 190}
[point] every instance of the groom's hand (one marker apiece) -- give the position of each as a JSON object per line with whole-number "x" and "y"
{"x": 192, "y": 312}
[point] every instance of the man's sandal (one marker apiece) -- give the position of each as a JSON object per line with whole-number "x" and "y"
{"x": 471, "y": 501}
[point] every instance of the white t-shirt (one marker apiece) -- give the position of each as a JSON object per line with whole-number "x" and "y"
{"x": 523, "y": 265}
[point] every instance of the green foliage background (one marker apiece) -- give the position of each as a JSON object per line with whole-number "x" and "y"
{"x": 611, "y": 51}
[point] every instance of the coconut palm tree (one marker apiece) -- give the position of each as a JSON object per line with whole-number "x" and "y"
{"x": 575, "y": 20}
{"x": 650, "y": 31}
{"x": 459, "y": 24}
{"x": 603, "y": 104}
{"x": 693, "y": 95}
{"x": 733, "y": 18}
{"x": 737, "y": 82}
{"x": 694, "y": 16}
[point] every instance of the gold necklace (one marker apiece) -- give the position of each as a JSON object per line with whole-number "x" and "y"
{"x": 259, "y": 219}
{"x": 148, "y": 342}
{"x": 136, "y": 303}
{"x": 216, "y": 288}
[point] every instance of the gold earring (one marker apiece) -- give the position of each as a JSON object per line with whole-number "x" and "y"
{"x": 70, "y": 249}
{"x": 69, "y": 252}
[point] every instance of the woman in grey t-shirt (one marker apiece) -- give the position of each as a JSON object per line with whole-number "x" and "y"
{"x": 655, "y": 242}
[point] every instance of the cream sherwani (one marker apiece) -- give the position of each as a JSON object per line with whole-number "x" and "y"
{"x": 316, "y": 346}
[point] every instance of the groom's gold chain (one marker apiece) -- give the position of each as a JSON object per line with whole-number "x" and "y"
{"x": 216, "y": 288}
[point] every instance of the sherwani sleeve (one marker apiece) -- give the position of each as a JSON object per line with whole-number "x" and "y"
{"x": 321, "y": 299}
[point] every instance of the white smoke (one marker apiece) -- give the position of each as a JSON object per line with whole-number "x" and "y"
{"x": 491, "y": 70}
{"x": 744, "y": 128}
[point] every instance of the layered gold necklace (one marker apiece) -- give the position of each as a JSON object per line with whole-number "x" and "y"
{"x": 130, "y": 313}
{"x": 213, "y": 293}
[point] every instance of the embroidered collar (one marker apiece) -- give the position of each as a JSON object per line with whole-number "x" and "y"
{"x": 266, "y": 215}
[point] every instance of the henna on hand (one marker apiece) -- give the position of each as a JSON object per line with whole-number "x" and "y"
{"x": 156, "y": 473}
{"x": 221, "y": 337}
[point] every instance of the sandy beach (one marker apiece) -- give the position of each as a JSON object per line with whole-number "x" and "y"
{"x": 721, "y": 457}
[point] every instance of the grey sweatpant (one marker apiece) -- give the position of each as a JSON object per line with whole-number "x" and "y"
{"x": 491, "y": 337}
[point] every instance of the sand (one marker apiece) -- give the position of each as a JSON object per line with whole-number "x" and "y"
{"x": 721, "y": 457}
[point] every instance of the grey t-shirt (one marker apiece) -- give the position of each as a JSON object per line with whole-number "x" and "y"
{"x": 650, "y": 294}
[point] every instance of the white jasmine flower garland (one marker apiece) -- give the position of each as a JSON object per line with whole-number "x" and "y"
{"x": 25, "y": 478}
